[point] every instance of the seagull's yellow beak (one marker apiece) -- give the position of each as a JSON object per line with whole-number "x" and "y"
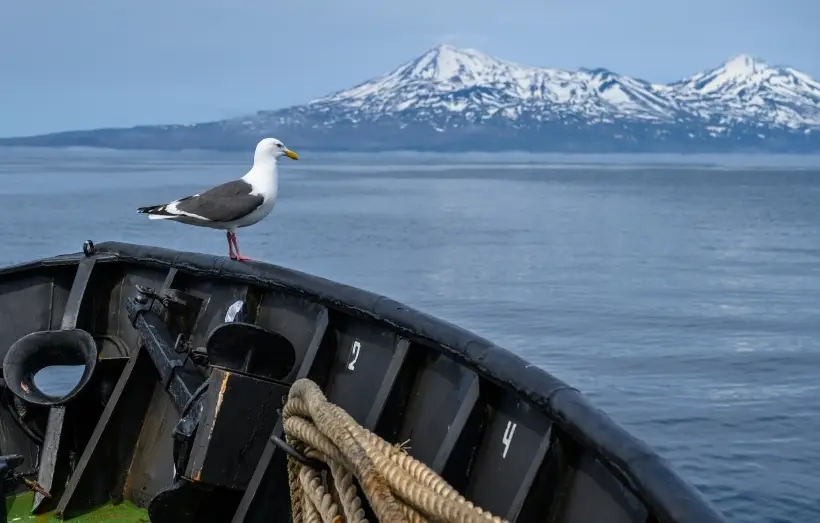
{"x": 291, "y": 154}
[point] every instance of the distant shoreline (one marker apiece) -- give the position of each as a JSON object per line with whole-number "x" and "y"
{"x": 428, "y": 151}
{"x": 427, "y": 161}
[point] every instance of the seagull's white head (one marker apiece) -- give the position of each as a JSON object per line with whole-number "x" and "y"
{"x": 272, "y": 148}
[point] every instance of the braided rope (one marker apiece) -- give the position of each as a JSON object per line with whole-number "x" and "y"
{"x": 398, "y": 487}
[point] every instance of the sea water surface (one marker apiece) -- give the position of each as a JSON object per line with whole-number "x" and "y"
{"x": 681, "y": 294}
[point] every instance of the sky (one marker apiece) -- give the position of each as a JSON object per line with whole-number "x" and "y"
{"x": 84, "y": 64}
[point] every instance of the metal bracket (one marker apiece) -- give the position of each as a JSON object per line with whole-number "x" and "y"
{"x": 172, "y": 372}
{"x": 7, "y": 465}
{"x": 144, "y": 301}
{"x": 298, "y": 456}
{"x": 184, "y": 430}
{"x": 88, "y": 248}
{"x": 146, "y": 296}
{"x": 177, "y": 375}
{"x": 9, "y": 480}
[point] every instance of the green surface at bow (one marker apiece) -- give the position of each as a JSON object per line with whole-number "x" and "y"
{"x": 18, "y": 509}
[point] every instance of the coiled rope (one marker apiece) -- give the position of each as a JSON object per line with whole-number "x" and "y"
{"x": 398, "y": 487}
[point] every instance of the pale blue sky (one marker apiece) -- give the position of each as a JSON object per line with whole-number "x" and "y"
{"x": 68, "y": 64}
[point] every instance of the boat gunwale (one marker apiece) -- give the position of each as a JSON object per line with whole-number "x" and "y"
{"x": 645, "y": 473}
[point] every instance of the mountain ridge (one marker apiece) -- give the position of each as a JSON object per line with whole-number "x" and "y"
{"x": 451, "y": 99}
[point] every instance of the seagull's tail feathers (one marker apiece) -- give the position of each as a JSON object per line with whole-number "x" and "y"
{"x": 157, "y": 212}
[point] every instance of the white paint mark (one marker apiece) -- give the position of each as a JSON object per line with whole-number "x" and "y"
{"x": 354, "y": 354}
{"x": 507, "y": 439}
{"x": 233, "y": 311}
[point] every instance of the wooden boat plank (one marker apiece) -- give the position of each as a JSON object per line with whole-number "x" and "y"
{"x": 152, "y": 464}
{"x": 35, "y": 288}
{"x": 53, "y": 469}
{"x": 442, "y": 398}
{"x": 295, "y": 319}
{"x": 259, "y": 494}
{"x": 77, "y": 296}
{"x": 386, "y": 386}
{"x": 549, "y": 489}
{"x": 216, "y": 297}
{"x": 50, "y": 290}
{"x": 105, "y": 459}
{"x": 50, "y": 462}
{"x": 171, "y": 278}
{"x": 364, "y": 353}
{"x": 61, "y": 283}
{"x": 525, "y": 487}
{"x": 514, "y": 440}
{"x": 115, "y": 286}
{"x": 597, "y": 497}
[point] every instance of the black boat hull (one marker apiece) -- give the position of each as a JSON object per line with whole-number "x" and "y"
{"x": 508, "y": 435}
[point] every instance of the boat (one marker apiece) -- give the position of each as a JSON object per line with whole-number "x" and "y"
{"x": 186, "y": 361}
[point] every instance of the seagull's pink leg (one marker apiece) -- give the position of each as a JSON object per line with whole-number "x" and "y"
{"x": 238, "y": 256}
{"x": 230, "y": 245}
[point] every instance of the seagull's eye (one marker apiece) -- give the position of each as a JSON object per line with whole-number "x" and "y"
{"x": 279, "y": 145}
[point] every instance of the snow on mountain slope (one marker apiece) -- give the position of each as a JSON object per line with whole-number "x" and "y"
{"x": 447, "y": 85}
{"x": 467, "y": 83}
{"x": 746, "y": 89}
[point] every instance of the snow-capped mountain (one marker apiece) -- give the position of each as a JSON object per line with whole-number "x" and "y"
{"x": 461, "y": 99}
{"x": 448, "y": 82}
{"x": 747, "y": 90}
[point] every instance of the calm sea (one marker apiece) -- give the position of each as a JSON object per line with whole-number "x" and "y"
{"x": 681, "y": 294}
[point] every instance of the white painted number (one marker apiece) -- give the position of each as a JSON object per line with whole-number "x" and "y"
{"x": 354, "y": 354}
{"x": 507, "y": 439}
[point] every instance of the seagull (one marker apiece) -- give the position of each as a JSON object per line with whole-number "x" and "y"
{"x": 231, "y": 205}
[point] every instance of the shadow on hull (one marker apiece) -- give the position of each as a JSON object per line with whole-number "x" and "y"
{"x": 178, "y": 411}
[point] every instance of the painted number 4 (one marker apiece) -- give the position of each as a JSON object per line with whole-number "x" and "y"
{"x": 354, "y": 355}
{"x": 507, "y": 438}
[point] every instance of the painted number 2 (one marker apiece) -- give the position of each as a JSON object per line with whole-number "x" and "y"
{"x": 354, "y": 354}
{"x": 507, "y": 438}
